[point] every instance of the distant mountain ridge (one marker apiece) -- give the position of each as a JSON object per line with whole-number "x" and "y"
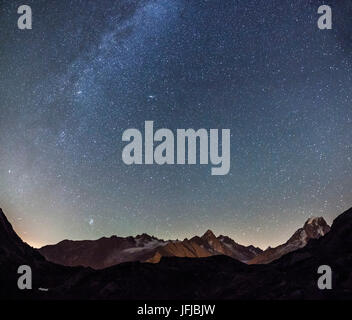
{"x": 292, "y": 276}
{"x": 102, "y": 253}
{"x": 205, "y": 246}
{"x": 106, "y": 252}
{"x": 314, "y": 228}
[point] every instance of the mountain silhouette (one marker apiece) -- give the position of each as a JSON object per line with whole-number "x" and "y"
{"x": 292, "y": 276}
{"x": 106, "y": 252}
{"x": 314, "y": 228}
{"x": 102, "y": 253}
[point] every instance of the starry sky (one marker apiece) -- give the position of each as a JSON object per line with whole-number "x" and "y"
{"x": 88, "y": 70}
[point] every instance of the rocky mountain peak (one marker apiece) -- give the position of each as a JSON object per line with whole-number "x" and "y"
{"x": 208, "y": 235}
{"x": 316, "y": 227}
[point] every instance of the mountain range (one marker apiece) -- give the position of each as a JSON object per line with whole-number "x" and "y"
{"x": 292, "y": 276}
{"x": 106, "y": 252}
{"x": 314, "y": 228}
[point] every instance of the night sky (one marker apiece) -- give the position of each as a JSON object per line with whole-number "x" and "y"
{"x": 88, "y": 70}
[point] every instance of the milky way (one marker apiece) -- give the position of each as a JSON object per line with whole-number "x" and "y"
{"x": 88, "y": 70}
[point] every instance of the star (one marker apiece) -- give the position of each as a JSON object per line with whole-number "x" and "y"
{"x": 261, "y": 69}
